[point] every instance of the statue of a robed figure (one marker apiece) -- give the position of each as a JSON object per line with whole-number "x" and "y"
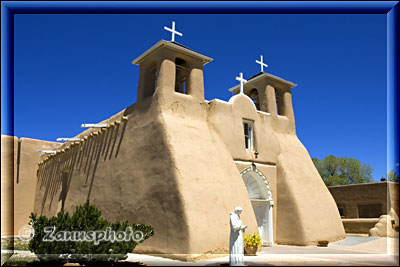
{"x": 236, "y": 257}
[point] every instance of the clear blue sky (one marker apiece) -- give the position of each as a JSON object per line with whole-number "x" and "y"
{"x": 73, "y": 69}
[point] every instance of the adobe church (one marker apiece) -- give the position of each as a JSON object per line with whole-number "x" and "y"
{"x": 180, "y": 163}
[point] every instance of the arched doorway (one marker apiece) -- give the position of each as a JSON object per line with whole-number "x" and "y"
{"x": 261, "y": 199}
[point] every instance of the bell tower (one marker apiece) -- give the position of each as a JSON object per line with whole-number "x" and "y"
{"x": 272, "y": 95}
{"x": 169, "y": 67}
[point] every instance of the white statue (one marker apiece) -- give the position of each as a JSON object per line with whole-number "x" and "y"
{"x": 236, "y": 257}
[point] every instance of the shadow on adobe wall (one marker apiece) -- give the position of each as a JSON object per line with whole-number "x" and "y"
{"x": 55, "y": 175}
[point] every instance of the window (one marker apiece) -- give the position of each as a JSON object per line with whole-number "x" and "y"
{"x": 248, "y": 134}
{"x": 341, "y": 211}
{"x": 154, "y": 76}
{"x": 277, "y": 99}
{"x": 254, "y": 96}
{"x": 149, "y": 81}
{"x": 369, "y": 210}
{"x": 180, "y": 76}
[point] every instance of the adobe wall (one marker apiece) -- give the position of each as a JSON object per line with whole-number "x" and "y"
{"x": 19, "y": 160}
{"x": 393, "y": 191}
{"x": 300, "y": 218}
{"x": 226, "y": 119}
{"x": 309, "y": 212}
{"x": 128, "y": 172}
{"x": 349, "y": 197}
{"x": 162, "y": 175}
{"x": 169, "y": 170}
{"x": 359, "y": 225}
{"x": 210, "y": 184}
{"x": 9, "y": 147}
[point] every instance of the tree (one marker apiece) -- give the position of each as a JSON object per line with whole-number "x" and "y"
{"x": 392, "y": 176}
{"x": 73, "y": 238}
{"x": 342, "y": 171}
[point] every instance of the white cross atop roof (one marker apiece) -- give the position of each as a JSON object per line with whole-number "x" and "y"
{"x": 173, "y": 31}
{"x": 261, "y": 63}
{"x": 242, "y": 81}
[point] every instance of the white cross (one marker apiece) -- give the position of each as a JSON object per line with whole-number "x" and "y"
{"x": 242, "y": 81}
{"x": 173, "y": 31}
{"x": 262, "y": 64}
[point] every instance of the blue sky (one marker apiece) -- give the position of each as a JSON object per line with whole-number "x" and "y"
{"x": 73, "y": 69}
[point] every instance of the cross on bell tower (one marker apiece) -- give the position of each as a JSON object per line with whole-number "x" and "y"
{"x": 261, "y": 63}
{"x": 173, "y": 31}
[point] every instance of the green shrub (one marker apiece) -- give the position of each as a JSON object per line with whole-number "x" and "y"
{"x": 85, "y": 222}
{"x": 253, "y": 239}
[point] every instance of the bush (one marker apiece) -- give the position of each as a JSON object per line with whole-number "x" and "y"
{"x": 100, "y": 243}
{"x": 253, "y": 239}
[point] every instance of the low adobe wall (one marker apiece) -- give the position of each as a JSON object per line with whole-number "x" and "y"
{"x": 19, "y": 165}
{"x": 8, "y": 146}
{"x": 384, "y": 195}
{"x": 359, "y": 226}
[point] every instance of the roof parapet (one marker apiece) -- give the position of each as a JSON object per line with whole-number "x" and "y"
{"x": 260, "y": 76}
{"x": 174, "y": 46}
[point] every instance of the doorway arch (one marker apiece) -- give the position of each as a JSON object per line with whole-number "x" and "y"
{"x": 260, "y": 196}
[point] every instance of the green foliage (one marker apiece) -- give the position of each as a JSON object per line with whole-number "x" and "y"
{"x": 86, "y": 219}
{"x": 253, "y": 239}
{"x": 392, "y": 176}
{"x": 342, "y": 171}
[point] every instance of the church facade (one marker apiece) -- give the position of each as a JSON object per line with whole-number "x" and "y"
{"x": 181, "y": 164}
